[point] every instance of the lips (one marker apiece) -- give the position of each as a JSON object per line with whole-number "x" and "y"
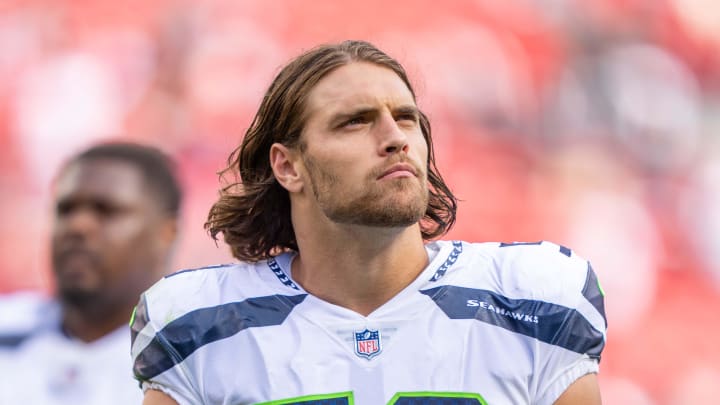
{"x": 399, "y": 170}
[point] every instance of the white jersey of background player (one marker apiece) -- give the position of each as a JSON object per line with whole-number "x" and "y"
{"x": 41, "y": 365}
{"x": 338, "y": 298}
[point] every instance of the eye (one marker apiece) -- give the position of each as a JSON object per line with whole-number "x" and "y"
{"x": 407, "y": 118}
{"x": 64, "y": 208}
{"x": 359, "y": 120}
{"x": 105, "y": 209}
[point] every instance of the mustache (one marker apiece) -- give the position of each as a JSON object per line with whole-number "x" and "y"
{"x": 403, "y": 159}
{"x": 60, "y": 255}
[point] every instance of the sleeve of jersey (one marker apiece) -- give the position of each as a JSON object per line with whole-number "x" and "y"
{"x": 156, "y": 363}
{"x": 577, "y": 324}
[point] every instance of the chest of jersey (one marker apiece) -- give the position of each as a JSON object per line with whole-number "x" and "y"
{"x": 321, "y": 351}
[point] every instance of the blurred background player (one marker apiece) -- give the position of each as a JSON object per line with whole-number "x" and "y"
{"x": 116, "y": 208}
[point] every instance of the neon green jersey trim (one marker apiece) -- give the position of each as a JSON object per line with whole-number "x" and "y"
{"x": 348, "y": 395}
{"x": 132, "y": 317}
{"x": 464, "y": 395}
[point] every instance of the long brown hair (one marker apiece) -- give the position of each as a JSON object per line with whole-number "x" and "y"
{"x": 253, "y": 210}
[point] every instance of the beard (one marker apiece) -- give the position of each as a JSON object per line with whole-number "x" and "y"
{"x": 393, "y": 203}
{"x": 76, "y": 276}
{"x": 78, "y": 297}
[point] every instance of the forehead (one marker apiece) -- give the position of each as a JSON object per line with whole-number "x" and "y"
{"x": 107, "y": 179}
{"x": 358, "y": 83}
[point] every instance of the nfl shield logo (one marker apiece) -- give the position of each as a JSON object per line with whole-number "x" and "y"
{"x": 367, "y": 343}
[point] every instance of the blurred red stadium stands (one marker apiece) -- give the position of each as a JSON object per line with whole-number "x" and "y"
{"x": 592, "y": 124}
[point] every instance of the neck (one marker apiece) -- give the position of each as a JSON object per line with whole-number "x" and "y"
{"x": 89, "y": 323}
{"x": 359, "y": 268}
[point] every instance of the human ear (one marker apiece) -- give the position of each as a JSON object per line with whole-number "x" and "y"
{"x": 283, "y": 161}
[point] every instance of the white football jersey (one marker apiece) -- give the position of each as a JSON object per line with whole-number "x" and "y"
{"x": 46, "y": 367}
{"x": 488, "y": 323}
{"x": 20, "y": 313}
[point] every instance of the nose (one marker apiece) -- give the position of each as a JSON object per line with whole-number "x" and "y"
{"x": 78, "y": 222}
{"x": 392, "y": 138}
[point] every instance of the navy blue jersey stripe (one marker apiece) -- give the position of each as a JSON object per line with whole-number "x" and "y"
{"x": 547, "y": 322}
{"x": 181, "y": 337}
{"x": 12, "y": 341}
{"x": 593, "y": 293}
{"x": 139, "y": 318}
{"x": 566, "y": 251}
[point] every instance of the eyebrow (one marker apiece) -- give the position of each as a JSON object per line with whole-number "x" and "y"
{"x": 338, "y": 118}
{"x": 407, "y": 109}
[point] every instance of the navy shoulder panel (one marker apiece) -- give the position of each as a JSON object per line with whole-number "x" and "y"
{"x": 550, "y": 323}
{"x": 11, "y": 341}
{"x": 183, "y": 336}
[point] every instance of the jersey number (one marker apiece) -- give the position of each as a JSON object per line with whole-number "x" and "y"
{"x": 401, "y": 398}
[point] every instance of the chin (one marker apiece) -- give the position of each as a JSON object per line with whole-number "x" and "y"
{"x": 389, "y": 216}
{"x": 395, "y": 208}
